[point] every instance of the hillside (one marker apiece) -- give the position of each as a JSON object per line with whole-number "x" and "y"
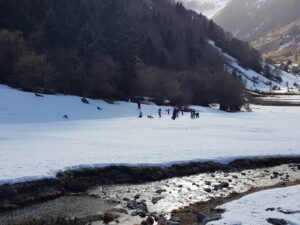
{"x": 117, "y": 49}
{"x": 208, "y": 8}
{"x": 281, "y": 45}
{"x": 272, "y": 79}
{"x": 271, "y": 25}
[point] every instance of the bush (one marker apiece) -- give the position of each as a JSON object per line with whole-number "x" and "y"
{"x": 184, "y": 88}
{"x": 20, "y": 66}
{"x": 12, "y": 47}
{"x": 31, "y": 71}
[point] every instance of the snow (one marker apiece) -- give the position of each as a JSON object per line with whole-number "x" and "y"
{"x": 252, "y": 209}
{"x": 209, "y": 8}
{"x": 285, "y": 45}
{"x": 37, "y": 142}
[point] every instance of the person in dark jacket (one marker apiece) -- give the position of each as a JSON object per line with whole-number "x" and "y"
{"x": 175, "y": 114}
{"x": 159, "y": 112}
{"x": 193, "y": 114}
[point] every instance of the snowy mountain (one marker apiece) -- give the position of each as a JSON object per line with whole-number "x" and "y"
{"x": 272, "y": 26}
{"x": 208, "y": 8}
{"x": 259, "y": 81}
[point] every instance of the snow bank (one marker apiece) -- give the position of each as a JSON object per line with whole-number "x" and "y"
{"x": 257, "y": 208}
{"x": 35, "y": 140}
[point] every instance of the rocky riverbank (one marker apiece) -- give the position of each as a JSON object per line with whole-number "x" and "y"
{"x": 180, "y": 200}
{"x": 75, "y": 181}
{"x": 162, "y": 199}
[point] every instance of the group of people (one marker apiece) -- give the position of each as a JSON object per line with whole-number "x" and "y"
{"x": 194, "y": 114}
{"x": 175, "y": 114}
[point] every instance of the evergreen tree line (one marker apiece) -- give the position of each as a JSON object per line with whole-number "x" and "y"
{"x": 117, "y": 49}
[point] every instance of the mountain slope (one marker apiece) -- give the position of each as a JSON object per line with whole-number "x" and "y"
{"x": 117, "y": 49}
{"x": 281, "y": 45}
{"x": 271, "y": 25}
{"x": 208, "y": 8}
{"x": 254, "y": 81}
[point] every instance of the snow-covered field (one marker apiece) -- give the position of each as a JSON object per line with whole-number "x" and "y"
{"x": 282, "y": 203}
{"x": 36, "y": 141}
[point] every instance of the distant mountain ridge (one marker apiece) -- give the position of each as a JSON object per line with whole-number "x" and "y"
{"x": 208, "y": 8}
{"x": 271, "y": 25}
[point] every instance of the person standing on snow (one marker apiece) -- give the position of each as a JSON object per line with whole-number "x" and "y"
{"x": 159, "y": 112}
{"x": 174, "y": 114}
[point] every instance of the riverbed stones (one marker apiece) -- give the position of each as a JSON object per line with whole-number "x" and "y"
{"x": 137, "y": 196}
{"x": 207, "y": 183}
{"x": 207, "y": 189}
{"x": 159, "y": 191}
{"x": 216, "y": 187}
{"x": 150, "y": 220}
{"x": 155, "y": 200}
{"x": 224, "y": 184}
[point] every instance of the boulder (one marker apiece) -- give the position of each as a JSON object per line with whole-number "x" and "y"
{"x": 85, "y": 101}
{"x": 224, "y": 184}
{"x": 155, "y": 200}
{"x": 207, "y": 183}
{"x": 208, "y": 190}
{"x": 150, "y": 220}
{"x": 276, "y": 221}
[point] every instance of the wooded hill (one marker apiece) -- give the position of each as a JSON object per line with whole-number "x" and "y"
{"x": 119, "y": 48}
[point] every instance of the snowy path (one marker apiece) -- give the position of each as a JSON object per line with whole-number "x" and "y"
{"x": 35, "y": 140}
